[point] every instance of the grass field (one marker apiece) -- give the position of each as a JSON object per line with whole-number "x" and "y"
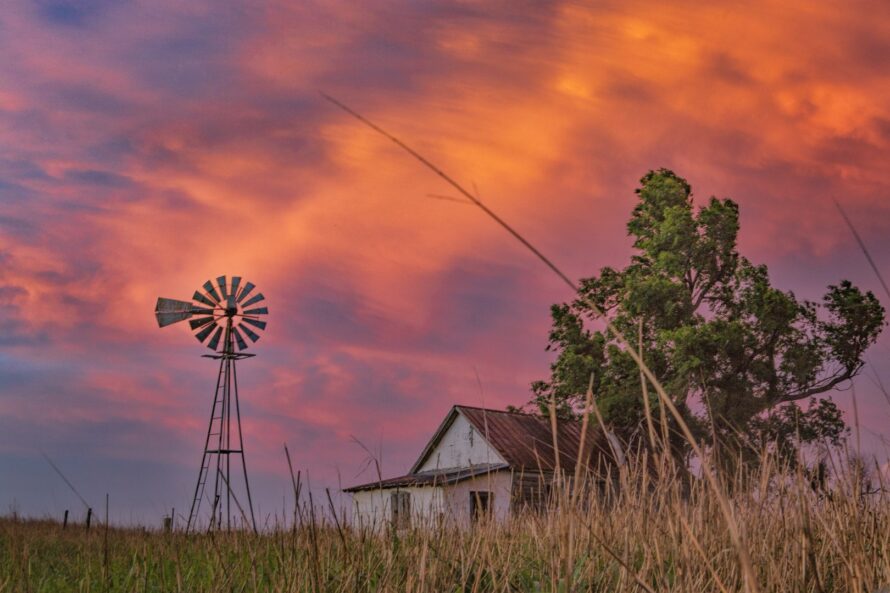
{"x": 639, "y": 537}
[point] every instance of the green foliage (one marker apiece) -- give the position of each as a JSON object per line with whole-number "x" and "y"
{"x": 713, "y": 329}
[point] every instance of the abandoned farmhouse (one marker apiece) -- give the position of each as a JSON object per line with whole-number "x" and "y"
{"x": 482, "y": 463}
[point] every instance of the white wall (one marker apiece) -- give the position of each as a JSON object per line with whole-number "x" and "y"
{"x": 371, "y": 508}
{"x": 457, "y": 496}
{"x": 430, "y": 504}
{"x": 460, "y": 446}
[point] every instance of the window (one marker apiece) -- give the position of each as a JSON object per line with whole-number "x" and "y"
{"x": 400, "y": 507}
{"x": 480, "y": 505}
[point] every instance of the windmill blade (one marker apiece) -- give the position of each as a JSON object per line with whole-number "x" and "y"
{"x": 259, "y": 311}
{"x": 257, "y": 298}
{"x": 236, "y": 281}
{"x": 200, "y": 311}
{"x": 254, "y": 322}
{"x": 202, "y": 335}
{"x": 221, "y": 281}
{"x": 200, "y": 322}
{"x": 208, "y": 286}
{"x": 242, "y": 345}
{"x": 169, "y": 311}
{"x": 214, "y": 341}
{"x": 247, "y": 331}
{"x": 203, "y": 299}
{"x": 248, "y": 288}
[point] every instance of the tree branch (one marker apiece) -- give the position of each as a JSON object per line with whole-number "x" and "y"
{"x": 826, "y": 385}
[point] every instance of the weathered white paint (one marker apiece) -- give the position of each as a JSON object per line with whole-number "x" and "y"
{"x": 371, "y": 508}
{"x": 433, "y": 504}
{"x": 457, "y": 497}
{"x": 460, "y": 446}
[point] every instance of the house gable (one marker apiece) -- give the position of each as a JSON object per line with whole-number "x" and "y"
{"x": 457, "y": 443}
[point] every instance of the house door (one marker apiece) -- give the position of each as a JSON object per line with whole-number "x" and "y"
{"x": 480, "y": 505}
{"x": 400, "y": 505}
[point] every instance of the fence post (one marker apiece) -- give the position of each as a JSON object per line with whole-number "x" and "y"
{"x": 65, "y": 520}
{"x": 89, "y": 517}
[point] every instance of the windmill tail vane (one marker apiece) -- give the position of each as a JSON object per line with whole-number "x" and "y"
{"x": 221, "y": 315}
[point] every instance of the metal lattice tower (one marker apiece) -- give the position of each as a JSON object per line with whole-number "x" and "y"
{"x": 221, "y": 316}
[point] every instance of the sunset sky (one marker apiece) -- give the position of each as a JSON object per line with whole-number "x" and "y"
{"x": 146, "y": 147}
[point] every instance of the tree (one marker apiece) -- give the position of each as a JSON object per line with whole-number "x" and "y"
{"x": 713, "y": 330}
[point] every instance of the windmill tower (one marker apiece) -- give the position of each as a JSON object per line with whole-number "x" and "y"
{"x": 221, "y": 316}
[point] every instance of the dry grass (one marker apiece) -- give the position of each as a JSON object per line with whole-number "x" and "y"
{"x": 638, "y": 536}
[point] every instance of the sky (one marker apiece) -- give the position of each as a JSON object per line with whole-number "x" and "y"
{"x": 146, "y": 147}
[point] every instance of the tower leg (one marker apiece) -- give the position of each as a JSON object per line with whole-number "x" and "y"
{"x": 216, "y": 511}
{"x": 228, "y": 446}
{"x": 241, "y": 447}
{"x": 206, "y": 457}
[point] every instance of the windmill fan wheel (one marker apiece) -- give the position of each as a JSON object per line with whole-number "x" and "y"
{"x": 217, "y": 307}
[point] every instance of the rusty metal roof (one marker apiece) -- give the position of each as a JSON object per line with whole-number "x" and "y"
{"x": 430, "y": 478}
{"x": 525, "y": 441}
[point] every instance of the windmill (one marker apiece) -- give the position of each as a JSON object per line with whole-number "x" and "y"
{"x": 221, "y": 316}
